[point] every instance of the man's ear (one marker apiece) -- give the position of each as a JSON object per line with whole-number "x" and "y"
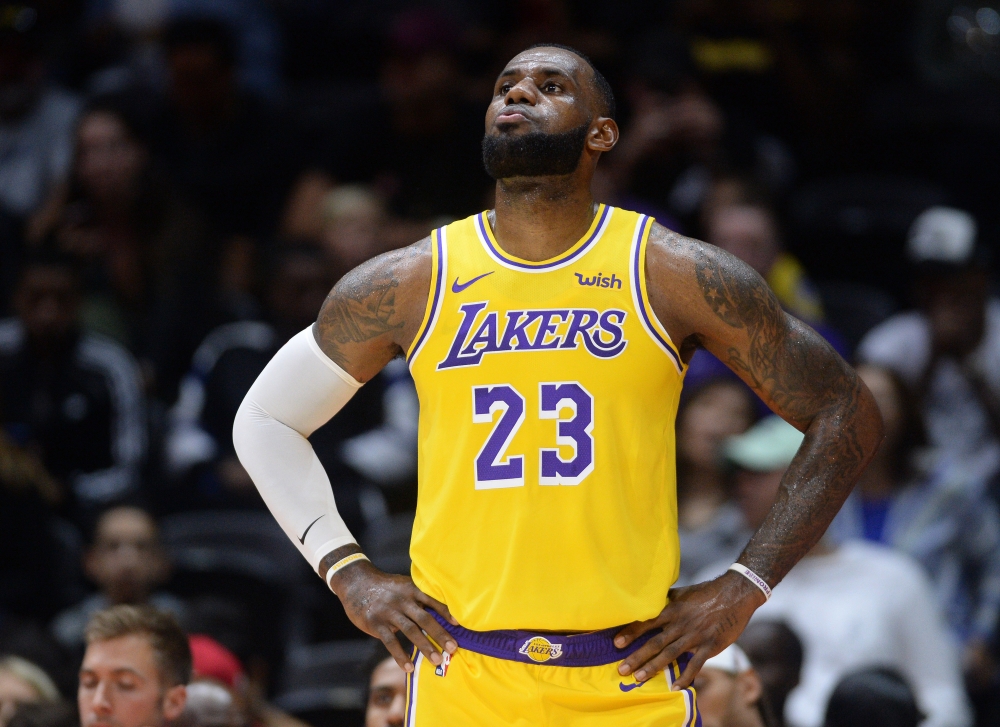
{"x": 749, "y": 687}
{"x": 174, "y": 700}
{"x": 603, "y": 134}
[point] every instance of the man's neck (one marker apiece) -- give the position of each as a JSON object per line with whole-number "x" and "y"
{"x": 539, "y": 218}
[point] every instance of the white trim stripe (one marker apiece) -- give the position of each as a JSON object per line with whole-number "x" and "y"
{"x": 411, "y": 715}
{"x": 440, "y": 283}
{"x": 635, "y": 268}
{"x": 546, "y": 266}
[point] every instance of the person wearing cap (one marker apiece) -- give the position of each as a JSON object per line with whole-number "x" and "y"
{"x": 948, "y": 349}
{"x": 730, "y": 694}
{"x": 853, "y": 605}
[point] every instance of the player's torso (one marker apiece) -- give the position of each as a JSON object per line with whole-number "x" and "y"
{"x": 546, "y": 453}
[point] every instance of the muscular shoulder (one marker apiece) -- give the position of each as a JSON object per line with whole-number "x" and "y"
{"x": 374, "y": 311}
{"x": 694, "y": 287}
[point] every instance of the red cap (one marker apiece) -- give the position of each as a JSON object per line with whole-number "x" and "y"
{"x": 213, "y": 660}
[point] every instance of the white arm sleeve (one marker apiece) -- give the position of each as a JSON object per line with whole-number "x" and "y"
{"x": 296, "y": 393}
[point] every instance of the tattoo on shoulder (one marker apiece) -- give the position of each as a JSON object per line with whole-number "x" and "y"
{"x": 362, "y": 305}
{"x": 782, "y": 358}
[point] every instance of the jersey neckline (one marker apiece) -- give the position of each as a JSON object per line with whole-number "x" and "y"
{"x": 585, "y": 243}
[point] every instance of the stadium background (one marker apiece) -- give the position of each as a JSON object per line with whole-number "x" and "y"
{"x": 200, "y": 171}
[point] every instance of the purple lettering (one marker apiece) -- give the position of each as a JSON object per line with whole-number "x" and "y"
{"x": 547, "y": 326}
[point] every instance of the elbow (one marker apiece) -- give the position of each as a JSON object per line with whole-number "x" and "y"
{"x": 868, "y": 421}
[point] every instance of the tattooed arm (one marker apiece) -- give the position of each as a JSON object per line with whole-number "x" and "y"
{"x": 707, "y": 298}
{"x": 371, "y": 315}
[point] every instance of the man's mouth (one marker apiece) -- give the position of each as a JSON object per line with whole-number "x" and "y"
{"x": 511, "y": 116}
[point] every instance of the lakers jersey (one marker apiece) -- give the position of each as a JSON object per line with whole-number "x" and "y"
{"x": 548, "y": 392}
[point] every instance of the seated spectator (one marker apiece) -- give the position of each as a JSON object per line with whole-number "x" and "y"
{"x": 776, "y": 654}
{"x": 948, "y": 349}
{"x": 386, "y": 701}
{"x": 221, "y": 695}
{"x": 873, "y": 698}
{"x": 730, "y": 693}
{"x": 233, "y": 157}
{"x": 921, "y": 503}
{"x": 853, "y": 605}
{"x": 21, "y": 682}
{"x": 375, "y": 442}
{"x": 36, "y": 119}
{"x": 127, "y": 562}
{"x": 72, "y": 396}
{"x": 709, "y": 522}
{"x": 145, "y": 256}
{"x": 135, "y": 669}
{"x": 739, "y": 219}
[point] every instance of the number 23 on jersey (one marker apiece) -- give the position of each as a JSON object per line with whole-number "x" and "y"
{"x": 567, "y": 402}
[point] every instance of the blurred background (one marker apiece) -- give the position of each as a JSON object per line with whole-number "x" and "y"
{"x": 182, "y": 181}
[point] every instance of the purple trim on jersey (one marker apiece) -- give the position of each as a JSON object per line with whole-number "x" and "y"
{"x": 437, "y": 295}
{"x": 481, "y": 221}
{"x": 636, "y": 272}
{"x": 593, "y": 649}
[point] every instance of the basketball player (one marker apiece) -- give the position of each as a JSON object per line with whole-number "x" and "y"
{"x": 548, "y": 339}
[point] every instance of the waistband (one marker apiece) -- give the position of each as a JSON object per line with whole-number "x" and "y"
{"x": 596, "y": 648}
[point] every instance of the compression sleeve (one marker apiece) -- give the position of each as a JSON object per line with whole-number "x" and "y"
{"x": 296, "y": 393}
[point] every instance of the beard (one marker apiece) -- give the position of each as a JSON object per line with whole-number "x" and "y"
{"x": 535, "y": 154}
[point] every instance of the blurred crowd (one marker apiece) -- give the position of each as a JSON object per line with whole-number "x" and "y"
{"x": 182, "y": 181}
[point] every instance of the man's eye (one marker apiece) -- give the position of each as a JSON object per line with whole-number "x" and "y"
{"x": 126, "y": 685}
{"x": 504, "y": 88}
{"x": 552, "y": 87}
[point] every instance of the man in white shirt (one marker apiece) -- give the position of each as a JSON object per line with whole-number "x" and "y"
{"x": 948, "y": 349}
{"x": 853, "y": 606}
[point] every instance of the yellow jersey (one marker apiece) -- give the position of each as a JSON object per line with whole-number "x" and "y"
{"x": 548, "y": 392}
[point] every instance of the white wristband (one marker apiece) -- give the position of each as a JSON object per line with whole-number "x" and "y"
{"x": 753, "y": 578}
{"x": 343, "y": 563}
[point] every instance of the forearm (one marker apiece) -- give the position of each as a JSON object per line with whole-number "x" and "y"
{"x": 837, "y": 447}
{"x": 298, "y": 391}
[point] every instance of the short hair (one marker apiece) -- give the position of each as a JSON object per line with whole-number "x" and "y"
{"x": 601, "y": 84}
{"x": 33, "y": 674}
{"x": 188, "y": 31}
{"x": 874, "y": 697}
{"x": 170, "y": 646}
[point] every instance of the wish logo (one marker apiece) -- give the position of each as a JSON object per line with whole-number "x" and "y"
{"x": 599, "y": 280}
{"x": 540, "y": 649}
{"x": 482, "y": 332}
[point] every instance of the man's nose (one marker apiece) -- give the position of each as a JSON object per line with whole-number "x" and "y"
{"x": 100, "y": 703}
{"x": 523, "y": 92}
{"x": 397, "y": 711}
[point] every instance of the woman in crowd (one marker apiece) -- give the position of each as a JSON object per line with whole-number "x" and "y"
{"x": 710, "y": 525}
{"x": 923, "y": 503}
{"x": 21, "y": 682}
{"x": 144, "y": 253}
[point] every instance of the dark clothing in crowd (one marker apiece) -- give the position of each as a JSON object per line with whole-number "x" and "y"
{"x": 82, "y": 409}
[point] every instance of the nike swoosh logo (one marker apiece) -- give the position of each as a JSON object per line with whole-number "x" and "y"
{"x": 629, "y": 687}
{"x": 302, "y": 540}
{"x": 457, "y": 287}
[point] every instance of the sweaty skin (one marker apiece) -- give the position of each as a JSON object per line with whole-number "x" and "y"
{"x": 704, "y": 297}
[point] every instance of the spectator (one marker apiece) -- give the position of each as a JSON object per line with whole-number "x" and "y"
{"x": 21, "y": 682}
{"x": 776, "y": 654}
{"x": 72, "y": 396}
{"x": 375, "y": 442}
{"x": 420, "y": 139}
{"x": 873, "y": 698}
{"x": 853, "y": 605}
{"x": 135, "y": 670}
{"x": 386, "y": 702}
{"x": 948, "y": 350}
{"x": 232, "y": 156}
{"x": 127, "y": 562}
{"x": 730, "y": 693}
{"x": 221, "y": 695}
{"x": 710, "y": 523}
{"x": 145, "y": 257}
{"x": 739, "y": 219}
{"x": 36, "y": 120}
{"x": 921, "y": 504}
